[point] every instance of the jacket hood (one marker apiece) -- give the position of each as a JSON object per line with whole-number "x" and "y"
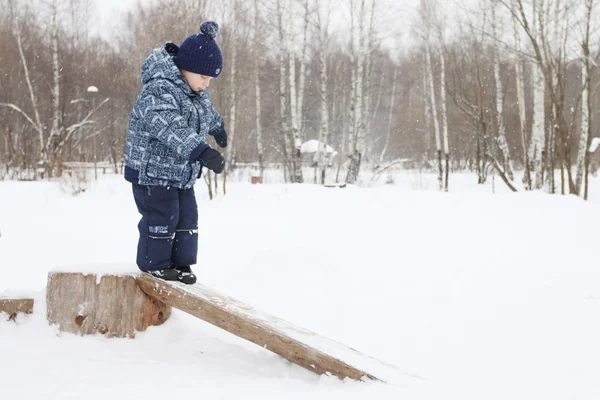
{"x": 160, "y": 64}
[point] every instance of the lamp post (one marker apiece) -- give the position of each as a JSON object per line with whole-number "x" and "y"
{"x": 94, "y": 89}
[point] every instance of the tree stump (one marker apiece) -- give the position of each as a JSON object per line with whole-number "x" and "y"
{"x": 112, "y": 305}
{"x": 13, "y": 306}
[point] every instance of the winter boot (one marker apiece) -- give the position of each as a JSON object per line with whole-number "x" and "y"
{"x": 186, "y": 275}
{"x": 168, "y": 274}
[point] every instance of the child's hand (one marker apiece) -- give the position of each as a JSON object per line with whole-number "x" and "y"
{"x": 221, "y": 139}
{"x": 212, "y": 159}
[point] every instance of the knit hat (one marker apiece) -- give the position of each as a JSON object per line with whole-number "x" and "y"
{"x": 200, "y": 53}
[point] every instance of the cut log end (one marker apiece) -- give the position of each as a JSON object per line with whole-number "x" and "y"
{"x": 113, "y": 305}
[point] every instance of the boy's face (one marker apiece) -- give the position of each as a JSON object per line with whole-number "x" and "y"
{"x": 196, "y": 81}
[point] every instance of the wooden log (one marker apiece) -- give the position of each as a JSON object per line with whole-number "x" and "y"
{"x": 112, "y": 305}
{"x": 13, "y": 306}
{"x": 293, "y": 343}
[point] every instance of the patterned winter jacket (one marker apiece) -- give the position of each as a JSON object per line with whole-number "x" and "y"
{"x": 168, "y": 126}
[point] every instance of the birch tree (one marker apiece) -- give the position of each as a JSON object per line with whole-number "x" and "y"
{"x": 426, "y": 11}
{"x": 291, "y": 53}
{"x": 232, "y": 97}
{"x": 283, "y": 111}
{"x": 586, "y": 103}
{"x": 37, "y": 124}
{"x": 302, "y": 72}
{"x": 390, "y": 116}
{"x": 436, "y": 124}
{"x": 549, "y": 75}
{"x": 323, "y": 17}
{"x": 536, "y": 147}
{"x": 521, "y": 104}
{"x": 286, "y": 35}
{"x": 444, "y": 114}
{"x": 349, "y": 133}
{"x": 259, "y": 139}
{"x": 502, "y": 143}
{"x": 51, "y": 147}
{"x": 358, "y": 123}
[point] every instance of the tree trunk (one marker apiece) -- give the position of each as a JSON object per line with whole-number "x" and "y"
{"x": 49, "y": 156}
{"x": 390, "y": 116}
{"x": 38, "y": 122}
{"x": 502, "y": 143}
{"x": 357, "y": 142}
{"x": 288, "y": 139}
{"x": 232, "y": 97}
{"x": 112, "y": 305}
{"x": 436, "y": 125}
{"x": 324, "y": 129}
{"x": 302, "y": 72}
{"x": 427, "y": 110}
{"x": 586, "y": 110}
{"x": 370, "y": 107}
{"x": 536, "y": 147}
{"x": 444, "y": 116}
{"x": 348, "y": 136}
{"x": 259, "y": 140}
{"x": 293, "y": 101}
{"x": 521, "y": 103}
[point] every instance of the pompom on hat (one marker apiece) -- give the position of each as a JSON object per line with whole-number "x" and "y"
{"x": 200, "y": 53}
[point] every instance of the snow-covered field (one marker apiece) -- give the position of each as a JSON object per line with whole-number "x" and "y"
{"x": 469, "y": 294}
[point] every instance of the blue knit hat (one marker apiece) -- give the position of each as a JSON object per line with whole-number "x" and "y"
{"x": 200, "y": 53}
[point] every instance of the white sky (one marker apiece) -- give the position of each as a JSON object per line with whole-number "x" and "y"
{"x": 400, "y": 16}
{"x": 109, "y": 13}
{"x": 107, "y": 9}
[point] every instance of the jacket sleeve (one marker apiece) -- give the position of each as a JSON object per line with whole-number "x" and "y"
{"x": 165, "y": 122}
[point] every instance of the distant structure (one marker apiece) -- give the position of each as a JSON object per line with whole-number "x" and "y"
{"x": 310, "y": 153}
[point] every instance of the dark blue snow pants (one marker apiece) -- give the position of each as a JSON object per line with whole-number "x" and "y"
{"x": 168, "y": 228}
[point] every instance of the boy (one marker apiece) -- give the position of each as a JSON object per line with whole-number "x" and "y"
{"x": 166, "y": 149}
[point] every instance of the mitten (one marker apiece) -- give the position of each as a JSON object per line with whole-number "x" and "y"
{"x": 212, "y": 159}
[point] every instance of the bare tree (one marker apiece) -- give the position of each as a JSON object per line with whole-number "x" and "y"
{"x": 586, "y": 104}
{"x": 502, "y": 143}
{"x": 520, "y": 85}
{"x": 233, "y": 98}
{"x": 426, "y": 11}
{"x": 259, "y": 138}
{"x": 550, "y": 59}
{"x": 358, "y": 123}
{"x": 322, "y": 25}
{"x": 444, "y": 114}
{"x": 302, "y": 72}
{"x": 391, "y": 113}
{"x": 291, "y": 53}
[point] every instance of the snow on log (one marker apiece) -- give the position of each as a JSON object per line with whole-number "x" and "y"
{"x": 13, "y": 306}
{"x": 300, "y": 346}
{"x": 112, "y": 305}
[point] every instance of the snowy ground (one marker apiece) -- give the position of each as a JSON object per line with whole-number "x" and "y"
{"x": 469, "y": 294}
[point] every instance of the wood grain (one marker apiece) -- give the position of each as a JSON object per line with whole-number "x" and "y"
{"x": 242, "y": 320}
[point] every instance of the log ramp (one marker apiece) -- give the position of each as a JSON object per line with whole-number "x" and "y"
{"x": 120, "y": 305}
